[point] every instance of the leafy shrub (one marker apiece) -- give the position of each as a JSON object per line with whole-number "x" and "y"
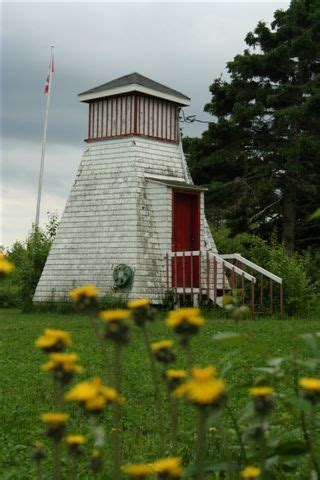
{"x": 29, "y": 258}
{"x": 297, "y": 271}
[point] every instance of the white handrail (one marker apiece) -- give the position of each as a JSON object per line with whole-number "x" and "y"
{"x": 229, "y": 265}
{"x": 263, "y": 271}
{"x": 219, "y": 259}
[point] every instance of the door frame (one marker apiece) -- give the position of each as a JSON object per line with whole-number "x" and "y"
{"x": 194, "y": 193}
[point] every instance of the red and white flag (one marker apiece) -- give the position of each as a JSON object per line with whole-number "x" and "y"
{"x": 51, "y": 70}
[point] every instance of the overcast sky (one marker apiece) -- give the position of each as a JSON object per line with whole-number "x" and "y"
{"x": 184, "y": 45}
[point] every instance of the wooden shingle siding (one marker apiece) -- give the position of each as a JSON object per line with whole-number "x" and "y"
{"x": 115, "y": 215}
{"x": 132, "y": 115}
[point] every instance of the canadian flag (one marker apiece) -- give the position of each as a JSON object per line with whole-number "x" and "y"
{"x": 51, "y": 70}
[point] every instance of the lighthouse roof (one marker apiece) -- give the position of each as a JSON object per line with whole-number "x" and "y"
{"x": 134, "y": 82}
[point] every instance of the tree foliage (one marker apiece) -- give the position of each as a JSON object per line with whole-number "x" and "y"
{"x": 260, "y": 157}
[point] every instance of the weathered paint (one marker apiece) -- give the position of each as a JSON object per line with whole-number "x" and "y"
{"x": 112, "y": 117}
{"x": 115, "y": 215}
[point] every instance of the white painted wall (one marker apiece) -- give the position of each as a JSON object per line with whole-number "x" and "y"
{"x": 115, "y": 215}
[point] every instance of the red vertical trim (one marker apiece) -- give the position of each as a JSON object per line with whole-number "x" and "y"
{"x": 125, "y": 121}
{"x": 102, "y": 118}
{"x": 131, "y": 101}
{"x": 135, "y": 115}
{"x": 200, "y": 286}
{"x": 191, "y": 275}
{"x": 215, "y": 278}
{"x": 161, "y": 134}
{"x": 242, "y": 288}
{"x": 107, "y": 115}
{"x": 121, "y": 116}
{"x": 111, "y": 118}
{"x": 89, "y": 124}
{"x": 223, "y": 280}
{"x": 208, "y": 276}
{"x": 98, "y": 123}
{"x": 167, "y": 270}
{"x": 232, "y": 278}
{"x": 252, "y": 297}
{"x": 176, "y": 277}
{"x": 281, "y": 300}
{"x": 166, "y": 130}
{"x": 153, "y": 117}
{"x": 184, "y": 276}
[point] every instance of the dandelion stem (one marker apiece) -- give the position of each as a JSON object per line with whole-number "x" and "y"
{"x": 102, "y": 344}
{"x": 158, "y": 403}
{"x": 56, "y": 457}
{"x": 117, "y": 413}
{"x": 174, "y": 422}
{"x": 73, "y": 468}
{"x": 238, "y": 432}
{"x": 201, "y": 443}
{"x": 187, "y": 347}
{"x": 39, "y": 470}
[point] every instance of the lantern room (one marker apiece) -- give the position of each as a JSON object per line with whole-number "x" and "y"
{"x": 133, "y": 105}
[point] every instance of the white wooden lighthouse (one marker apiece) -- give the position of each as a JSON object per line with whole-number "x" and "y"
{"x": 134, "y": 222}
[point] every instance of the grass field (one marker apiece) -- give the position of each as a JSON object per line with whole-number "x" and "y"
{"x": 26, "y": 392}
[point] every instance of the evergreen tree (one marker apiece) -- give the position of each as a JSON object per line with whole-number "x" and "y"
{"x": 260, "y": 156}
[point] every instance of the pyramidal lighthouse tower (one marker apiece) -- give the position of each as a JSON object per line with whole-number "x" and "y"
{"x": 133, "y": 202}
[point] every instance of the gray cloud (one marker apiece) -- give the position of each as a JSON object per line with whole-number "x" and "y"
{"x": 183, "y": 45}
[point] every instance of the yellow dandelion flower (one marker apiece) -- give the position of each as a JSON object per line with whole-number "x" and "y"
{"x": 137, "y": 471}
{"x": 171, "y": 466}
{"x": 258, "y": 392}
{"x": 139, "y": 303}
{"x": 53, "y": 340}
{"x": 250, "y": 473}
{"x": 6, "y": 267}
{"x": 55, "y": 419}
{"x": 75, "y": 439}
{"x": 117, "y": 315}
{"x": 64, "y": 362}
{"x": 203, "y": 388}
{"x": 310, "y": 384}
{"x": 95, "y": 404}
{"x": 176, "y": 374}
{"x": 83, "y": 391}
{"x": 204, "y": 374}
{"x": 184, "y": 317}
{"x": 84, "y": 292}
{"x": 212, "y": 429}
{"x": 163, "y": 345}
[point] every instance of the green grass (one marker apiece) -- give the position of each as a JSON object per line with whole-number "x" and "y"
{"x": 27, "y": 392}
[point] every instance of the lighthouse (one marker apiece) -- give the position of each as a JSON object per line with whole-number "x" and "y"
{"x": 134, "y": 222}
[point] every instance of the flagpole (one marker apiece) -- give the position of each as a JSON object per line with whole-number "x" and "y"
{"x": 44, "y": 139}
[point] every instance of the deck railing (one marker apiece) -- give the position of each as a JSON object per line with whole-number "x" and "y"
{"x": 210, "y": 275}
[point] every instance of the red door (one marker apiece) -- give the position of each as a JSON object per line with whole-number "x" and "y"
{"x": 185, "y": 238}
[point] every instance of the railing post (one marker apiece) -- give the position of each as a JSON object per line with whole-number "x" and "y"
{"x": 208, "y": 277}
{"x": 167, "y": 270}
{"x": 232, "y": 278}
{"x": 271, "y": 297}
{"x": 200, "y": 288}
{"x": 281, "y": 300}
{"x": 252, "y": 297}
{"x": 176, "y": 277}
{"x": 261, "y": 292}
{"x": 184, "y": 277}
{"x": 223, "y": 280}
{"x": 215, "y": 277}
{"x": 242, "y": 288}
{"x": 191, "y": 274}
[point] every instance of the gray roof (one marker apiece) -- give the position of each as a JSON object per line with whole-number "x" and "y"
{"x": 138, "y": 79}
